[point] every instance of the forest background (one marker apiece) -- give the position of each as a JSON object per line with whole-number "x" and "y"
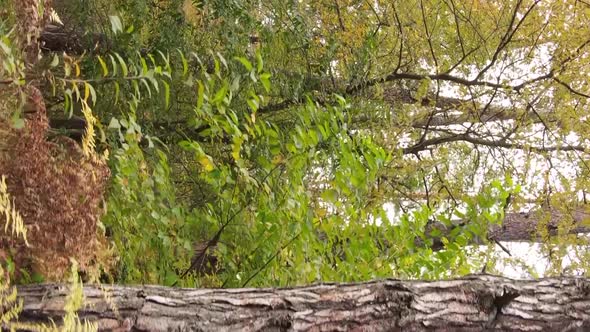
{"x": 229, "y": 143}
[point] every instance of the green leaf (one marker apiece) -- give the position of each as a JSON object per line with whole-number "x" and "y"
{"x": 154, "y": 82}
{"x": 123, "y": 65}
{"x": 217, "y": 68}
{"x": 55, "y": 61}
{"x": 253, "y": 104}
{"x": 265, "y": 80}
{"x": 68, "y": 101}
{"x": 166, "y": 93}
{"x": 247, "y": 64}
{"x": 114, "y": 124}
{"x": 330, "y": 195}
{"x": 222, "y": 59}
{"x": 114, "y": 64}
{"x": 18, "y": 122}
{"x": 117, "y": 92}
{"x": 89, "y": 88}
{"x": 220, "y": 95}
{"x": 166, "y": 60}
{"x": 236, "y": 148}
{"x": 423, "y": 88}
{"x": 147, "y": 86}
{"x": 116, "y": 25}
{"x": 201, "y": 95}
{"x": 171, "y": 278}
{"x": 137, "y": 90}
{"x": 144, "y": 66}
{"x": 184, "y": 63}
{"x": 4, "y": 45}
{"x": 259, "y": 62}
{"x": 235, "y": 84}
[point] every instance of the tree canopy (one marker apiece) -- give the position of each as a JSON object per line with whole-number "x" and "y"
{"x": 225, "y": 143}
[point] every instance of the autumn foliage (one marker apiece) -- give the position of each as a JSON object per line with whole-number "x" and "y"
{"x": 56, "y": 188}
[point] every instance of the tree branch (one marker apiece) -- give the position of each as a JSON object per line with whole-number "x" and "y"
{"x": 480, "y": 141}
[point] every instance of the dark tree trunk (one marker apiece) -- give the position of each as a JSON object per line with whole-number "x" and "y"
{"x": 73, "y": 127}
{"x": 522, "y": 227}
{"x": 473, "y": 303}
{"x": 58, "y": 39}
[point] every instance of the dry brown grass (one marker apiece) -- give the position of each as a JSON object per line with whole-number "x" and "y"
{"x": 57, "y": 189}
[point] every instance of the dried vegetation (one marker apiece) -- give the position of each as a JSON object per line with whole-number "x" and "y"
{"x": 56, "y": 188}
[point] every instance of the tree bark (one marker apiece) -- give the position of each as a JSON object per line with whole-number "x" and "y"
{"x": 520, "y": 227}
{"x": 58, "y": 39}
{"x": 473, "y": 303}
{"x": 525, "y": 227}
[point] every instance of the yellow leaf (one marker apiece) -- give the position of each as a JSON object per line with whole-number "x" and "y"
{"x": 277, "y": 159}
{"x": 86, "y": 92}
{"x": 321, "y": 212}
{"x": 206, "y": 162}
{"x": 236, "y": 147}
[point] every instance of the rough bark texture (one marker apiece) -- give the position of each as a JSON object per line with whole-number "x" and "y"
{"x": 473, "y": 303}
{"x": 58, "y": 38}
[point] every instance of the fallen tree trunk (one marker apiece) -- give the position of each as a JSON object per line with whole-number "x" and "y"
{"x": 473, "y": 303}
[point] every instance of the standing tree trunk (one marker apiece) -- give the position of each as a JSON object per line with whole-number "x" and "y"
{"x": 473, "y": 303}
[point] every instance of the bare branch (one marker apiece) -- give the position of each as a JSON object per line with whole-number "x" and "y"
{"x": 479, "y": 141}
